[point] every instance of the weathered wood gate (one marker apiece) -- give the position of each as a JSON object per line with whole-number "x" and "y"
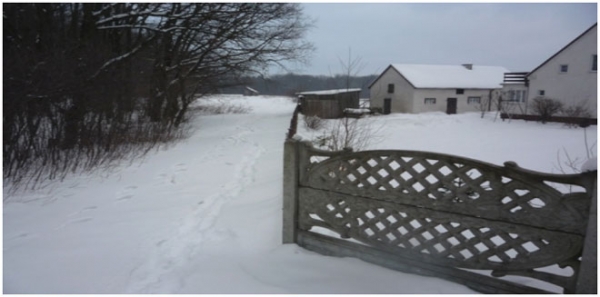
{"x": 444, "y": 216}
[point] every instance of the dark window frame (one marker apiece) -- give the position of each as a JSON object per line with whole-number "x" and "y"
{"x": 564, "y": 68}
{"x": 391, "y": 88}
{"x": 594, "y": 62}
{"x": 460, "y": 91}
{"x": 542, "y": 92}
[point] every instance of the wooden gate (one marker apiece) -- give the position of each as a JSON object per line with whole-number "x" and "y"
{"x": 441, "y": 215}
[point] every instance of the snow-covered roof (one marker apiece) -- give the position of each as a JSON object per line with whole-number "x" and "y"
{"x": 452, "y": 76}
{"x": 329, "y": 92}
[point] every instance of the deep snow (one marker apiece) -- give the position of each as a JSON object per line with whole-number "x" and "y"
{"x": 204, "y": 215}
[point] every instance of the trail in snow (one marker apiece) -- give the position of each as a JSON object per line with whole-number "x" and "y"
{"x": 197, "y": 227}
{"x": 204, "y": 214}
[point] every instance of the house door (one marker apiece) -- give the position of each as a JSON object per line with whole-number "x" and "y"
{"x": 387, "y": 105}
{"x": 451, "y": 106}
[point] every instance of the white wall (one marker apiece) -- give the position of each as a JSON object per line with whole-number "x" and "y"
{"x": 403, "y": 91}
{"x": 442, "y": 95}
{"x": 578, "y": 84}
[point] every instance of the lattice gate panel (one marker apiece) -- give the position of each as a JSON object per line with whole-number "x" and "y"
{"x": 447, "y": 182}
{"x": 448, "y": 211}
{"x": 441, "y": 238}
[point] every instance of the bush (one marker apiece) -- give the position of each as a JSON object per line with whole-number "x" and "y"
{"x": 546, "y": 108}
{"x": 313, "y": 122}
{"x": 223, "y": 108}
{"x": 578, "y": 111}
{"x": 348, "y": 133}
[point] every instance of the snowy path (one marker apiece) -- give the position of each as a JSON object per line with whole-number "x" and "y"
{"x": 204, "y": 215}
{"x": 198, "y": 227}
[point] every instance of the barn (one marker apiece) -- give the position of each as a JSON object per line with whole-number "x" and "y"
{"x": 328, "y": 104}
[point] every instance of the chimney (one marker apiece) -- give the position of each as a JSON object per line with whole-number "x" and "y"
{"x": 468, "y": 66}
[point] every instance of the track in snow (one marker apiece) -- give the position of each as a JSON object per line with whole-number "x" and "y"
{"x": 197, "y": 228}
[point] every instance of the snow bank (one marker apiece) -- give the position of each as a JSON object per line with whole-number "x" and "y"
{"x": 204, "y": 215}
{"x": 590, "y": 165}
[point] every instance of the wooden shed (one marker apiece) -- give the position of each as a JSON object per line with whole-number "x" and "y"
{"x": 328, "y": 104}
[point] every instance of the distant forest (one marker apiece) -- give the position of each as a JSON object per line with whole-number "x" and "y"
{"x": 289, "y": 84}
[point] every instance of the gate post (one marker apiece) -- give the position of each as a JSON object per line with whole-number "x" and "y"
{"x": 290, "y": 190}
{"x": 587, "y": 280}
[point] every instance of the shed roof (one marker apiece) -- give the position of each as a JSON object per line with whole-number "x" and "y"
{"x": 452, "y": 76}
{"x": 329, "y": 92}
{"x": 251, "y": 89}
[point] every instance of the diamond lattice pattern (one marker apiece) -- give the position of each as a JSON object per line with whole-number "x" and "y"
{"x": 439, "y": 180}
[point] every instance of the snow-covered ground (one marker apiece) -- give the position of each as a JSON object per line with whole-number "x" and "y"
{"x": 204, "y": 215}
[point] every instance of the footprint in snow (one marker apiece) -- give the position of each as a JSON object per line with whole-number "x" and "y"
{"x": 159, "y": 243}
{"x": 22, "y": 235}
{"x": 126, "y": 197}
{"x": 180, "y": 167}
{"x": 85, "y": 209}
{"x": 126, "y": 193}
{"x": 74, "y": 221}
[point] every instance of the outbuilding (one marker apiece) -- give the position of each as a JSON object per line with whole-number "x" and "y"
{"x": 328, "y": 104}
{"x": 416, "y": 88}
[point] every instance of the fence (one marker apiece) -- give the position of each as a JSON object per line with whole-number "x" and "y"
{"x": 440, "y": 215}
{"x": 557, "y": 119}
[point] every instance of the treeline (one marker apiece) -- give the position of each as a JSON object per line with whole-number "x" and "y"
{"x": 289, "y": 84}
{"x": 86, "y": 84}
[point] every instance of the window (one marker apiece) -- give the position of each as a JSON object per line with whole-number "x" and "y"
{"x": 541, "y": 92}
{"x": 594, "y": 62}
{"x": 517, "y": 95}
{"x": 511, "y": 95}
{"x": 460, "y": 91}
{"x": 429, "y": 101}
{"x": 391, "y": 88}
{"x": 564, "y": 68}
{"x": 474, "y": 100}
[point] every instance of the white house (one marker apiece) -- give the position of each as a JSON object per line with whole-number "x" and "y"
{"x": 568, "y": 76}
{"x": 411, "y": 88}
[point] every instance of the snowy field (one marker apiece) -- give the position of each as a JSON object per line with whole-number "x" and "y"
{"x": 204, "y": 215}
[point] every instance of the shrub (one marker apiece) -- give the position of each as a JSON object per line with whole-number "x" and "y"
{"x": 348, "y": 133}
{"x": 222, "y": 108}
{"x": 546, "y": 107}
{"x": 577, "y": 111}
{"x": 313, "y": 122}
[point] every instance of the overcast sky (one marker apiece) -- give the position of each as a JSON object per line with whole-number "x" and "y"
{"x": 516, "y": 36}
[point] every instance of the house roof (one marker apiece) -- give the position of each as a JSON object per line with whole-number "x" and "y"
{"x": 562, "y": 49}
{"x": 329, "y": 92}
{"x": 450, "y": 76}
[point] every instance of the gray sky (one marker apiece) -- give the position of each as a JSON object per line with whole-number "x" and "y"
{"x": 517, "y": 36}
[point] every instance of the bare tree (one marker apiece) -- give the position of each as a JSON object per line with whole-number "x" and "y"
{"x": 492, "y": 100}
{"x": 91, "y": 83}
{"x": 351, "y": 67}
